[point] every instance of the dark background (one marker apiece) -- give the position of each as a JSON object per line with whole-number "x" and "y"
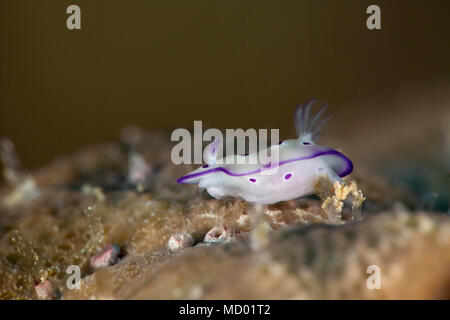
{"x": 163, "y": 64}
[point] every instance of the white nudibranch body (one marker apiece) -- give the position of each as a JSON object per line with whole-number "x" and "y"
{"x": 299, "y": 165}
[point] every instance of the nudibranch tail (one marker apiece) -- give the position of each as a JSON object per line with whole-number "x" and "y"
{"x": 305, "y": 125}
{"x": 338, "y": 162}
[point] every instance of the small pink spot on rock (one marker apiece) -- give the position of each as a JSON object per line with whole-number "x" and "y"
{"x": 106, "y": 258}
{"x": 45, "y": 290}
{"x": 216, "y": 234}
{"x": 180, "y": 241}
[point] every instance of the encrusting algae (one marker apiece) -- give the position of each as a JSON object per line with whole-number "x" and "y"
{"x": 334, "y": 203}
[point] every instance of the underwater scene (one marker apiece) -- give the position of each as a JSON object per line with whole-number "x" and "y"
{"x": 224, "y": 150}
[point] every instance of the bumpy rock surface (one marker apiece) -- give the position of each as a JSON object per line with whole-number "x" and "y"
{"x": 94, "y": 200}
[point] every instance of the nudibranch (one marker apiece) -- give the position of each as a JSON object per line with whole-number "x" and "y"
{"x": 300, "y": 164}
